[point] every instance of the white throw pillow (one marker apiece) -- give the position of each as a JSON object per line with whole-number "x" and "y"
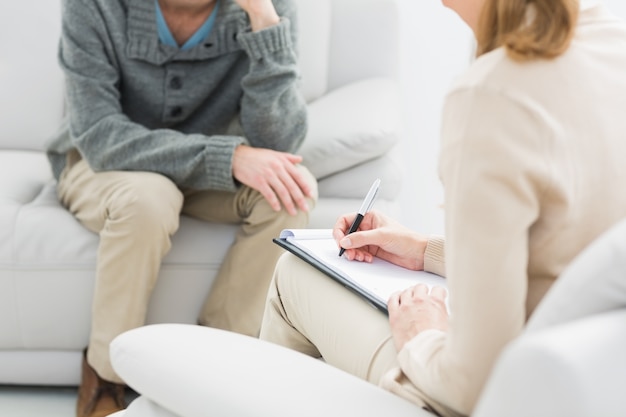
{"x": 351, "y": 125}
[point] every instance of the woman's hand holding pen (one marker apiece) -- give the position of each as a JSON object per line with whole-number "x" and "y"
{"x": 382, "y": 237}
{"x": 410, "y": 311}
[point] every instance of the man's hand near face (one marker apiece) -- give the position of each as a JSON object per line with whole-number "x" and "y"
{"x": 261, "y": 12}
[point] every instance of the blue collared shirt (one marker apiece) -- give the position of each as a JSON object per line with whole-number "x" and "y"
{"x": 166, "y": 38}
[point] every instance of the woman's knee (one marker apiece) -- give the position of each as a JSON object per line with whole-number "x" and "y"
{"x": 283, "y": 271}
{"x": 294, "y": 278}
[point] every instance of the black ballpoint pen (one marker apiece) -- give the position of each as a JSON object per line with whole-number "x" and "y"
{"x": 365, "y": 207}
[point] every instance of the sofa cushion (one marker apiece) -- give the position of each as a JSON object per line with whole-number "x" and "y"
{"x": 351, "y": 125}
{"x": 47, "y": 262}
{"x": 356, "y": 182}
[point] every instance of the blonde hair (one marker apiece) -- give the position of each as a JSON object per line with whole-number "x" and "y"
{"x": 527, "y": 29}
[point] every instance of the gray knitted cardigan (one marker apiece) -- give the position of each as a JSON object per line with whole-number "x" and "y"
{"x": 135, "y": 104}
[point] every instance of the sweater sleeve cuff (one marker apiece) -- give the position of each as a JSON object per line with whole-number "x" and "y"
{"x": 267, "y": 41}
{"x": 409, "y": 379}
{"x": 434, "y": 256}
{"x": 426, "y": 343}
{"x": 219, "y": 162}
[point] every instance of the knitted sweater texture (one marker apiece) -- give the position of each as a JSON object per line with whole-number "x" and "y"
{"x": 137, "y": 105}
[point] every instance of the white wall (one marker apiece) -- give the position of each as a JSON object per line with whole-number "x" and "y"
{"x": 436, "y": 46}
{"x": 617, "y": 6}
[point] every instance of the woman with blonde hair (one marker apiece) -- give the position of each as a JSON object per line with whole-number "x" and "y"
{"x": 532, "y": 134}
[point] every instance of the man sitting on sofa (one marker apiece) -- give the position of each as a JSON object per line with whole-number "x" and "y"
{"x": 178, "y": 106}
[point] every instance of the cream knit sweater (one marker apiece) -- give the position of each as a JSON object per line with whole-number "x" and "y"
{"x": 533, "y": 163}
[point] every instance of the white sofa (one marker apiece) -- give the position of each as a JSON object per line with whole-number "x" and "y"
{"x": 570, "y": 361}
{"x": 47, "y": 258}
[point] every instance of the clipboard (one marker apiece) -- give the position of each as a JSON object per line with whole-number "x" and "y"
{"x": 373, "y": 282}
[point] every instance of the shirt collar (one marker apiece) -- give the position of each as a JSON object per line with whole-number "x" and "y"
{"x": 166, "y": 37}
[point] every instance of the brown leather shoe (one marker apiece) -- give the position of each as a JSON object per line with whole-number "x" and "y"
{"x": 97, "y": 397}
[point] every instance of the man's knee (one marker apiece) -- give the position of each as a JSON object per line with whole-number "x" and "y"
{"x": 147, "y": 200}
{"x": 260, "y": 210}
{"x": 311, "y": 182}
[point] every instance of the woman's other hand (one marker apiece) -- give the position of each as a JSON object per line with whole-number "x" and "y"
{"x": 416, "y": 309}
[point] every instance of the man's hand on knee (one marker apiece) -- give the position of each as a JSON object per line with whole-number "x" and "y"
{"x": 275, "y": 175}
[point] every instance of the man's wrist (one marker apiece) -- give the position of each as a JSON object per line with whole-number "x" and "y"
{"x": 260, "y": 22}
{"x": 262, "y": 15}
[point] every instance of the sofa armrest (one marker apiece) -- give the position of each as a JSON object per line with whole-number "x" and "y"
{"x": 575, "y": 369}
{"x": 351, "y": 125}
{"x": 195, "y": 371}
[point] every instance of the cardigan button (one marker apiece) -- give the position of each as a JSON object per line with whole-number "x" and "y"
{"x": 176, "y": 111}
{"x": 176, "y": 83}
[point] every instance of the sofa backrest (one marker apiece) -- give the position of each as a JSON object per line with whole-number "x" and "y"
{"x": 314, "y": 21}
{"x": 364, "y": 41}
{"x": 340, "y": 41}
{"x": 31, "y": 83}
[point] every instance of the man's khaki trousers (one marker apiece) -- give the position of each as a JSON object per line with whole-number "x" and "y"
{"x": 135, "y": 214}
